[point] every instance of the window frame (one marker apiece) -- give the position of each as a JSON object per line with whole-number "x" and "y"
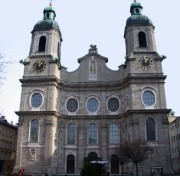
{"x": 75, "y": 133}
{"x": 97, "y": 108}
{"x": 30, "y": 100}
{"x": 142, "y": 98}
{"x": 108, "y": 104}
{"x": 154, "y": 132}
{"x": 42, "y": 44}
{"x": 116, "y": 133}
{"x": 142, "y": 39}
{"x": 95, "y": 134}
{"x": 30, "y": 129}
{"x": 67, "y": 105}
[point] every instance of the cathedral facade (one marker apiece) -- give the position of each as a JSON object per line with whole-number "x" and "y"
{"x": 65, "y": 117}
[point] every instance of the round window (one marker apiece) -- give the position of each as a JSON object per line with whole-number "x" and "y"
{"x": 148, "y": 98}
{"x": 72, "y": 105}
{"x": 92, "y": 105}
{"x": 113, "y": 104}
{"x": 36, "y": 100}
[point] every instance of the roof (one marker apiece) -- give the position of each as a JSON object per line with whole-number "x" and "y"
{"x": 49, "y": 9}
{"x": 46, "y": 25}
{"x": 137, "y": 18}
{"x": 93, "y": 54}
{"x": 48, "y": 21}
{"x": 4, "y": 122}
{"x": 135, "y": 4}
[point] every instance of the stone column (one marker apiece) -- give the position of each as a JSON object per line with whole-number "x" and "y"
{"x": 104, "y": 136}
{"x": 19, "y": 144}
{"x": 49, "y": 140}
{"x": 81, "y": 144}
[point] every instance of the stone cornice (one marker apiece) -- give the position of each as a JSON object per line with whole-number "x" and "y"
{"x": 131, "y": 78}
{"x": 37, "y": 113}
{"x": 125, "y": 114}
{"x": 42, "y": 79}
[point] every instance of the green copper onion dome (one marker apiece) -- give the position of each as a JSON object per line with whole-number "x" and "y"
{"x": 136, "y": 17}
{"x": 48, "y": 21}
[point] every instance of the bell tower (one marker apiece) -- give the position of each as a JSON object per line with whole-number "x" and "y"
{"x": 141, "y": 53}
{"x": 46, "y": 36}
{"x": 139, "y": 31}
{"x": 39, "y": 97}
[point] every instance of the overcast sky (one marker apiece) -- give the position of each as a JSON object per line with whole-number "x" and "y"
{"x": 82, "y": 23}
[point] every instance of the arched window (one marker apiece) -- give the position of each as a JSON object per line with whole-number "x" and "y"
{"x": 42, "y": 43}
{"x": 137, "y": 11}
{"x": 70, "y": 164}
{"x": 114, "y": 164}
{"x": 71, "y": 133}
{"x": 34, "y": 130}
{"x": 142, "y": 39}
{"x": 114, "y": 134}
{"x": 47, "y": 15}
{"x": 92, "y": 132}
{"x": 150, "y": 129}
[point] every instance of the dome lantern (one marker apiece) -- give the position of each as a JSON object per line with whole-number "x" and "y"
{"x": 137, "y": 18}
{"x": 49, "y": 13}
{"x": 136, "y": 8}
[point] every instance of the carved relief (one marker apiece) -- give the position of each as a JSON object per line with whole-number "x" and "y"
{"x": 92, "y": 69}
{"x": 32, "y": 154}
{"x": 55, "y": 156}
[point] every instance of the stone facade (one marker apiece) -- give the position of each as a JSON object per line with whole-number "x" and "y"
{"x": 65, "y": 117}
{"x": 174, "y": 134}
{"x": 8, "y": 136}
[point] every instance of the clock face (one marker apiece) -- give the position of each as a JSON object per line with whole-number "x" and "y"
{"x": 39, "y": 66}
{"x": 145, "y": 62}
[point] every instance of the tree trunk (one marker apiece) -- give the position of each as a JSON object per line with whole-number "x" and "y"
{"x": 122, "y": 169}
{"x": 136, "y": 169}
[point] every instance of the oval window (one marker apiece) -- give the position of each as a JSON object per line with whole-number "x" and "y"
{"x": 113, "y": 104}
{"x": 148, "y": 98}
{"x": 72, "y": 105}
{"x": 92, "y": 105}
{"x": 36, "y": 100}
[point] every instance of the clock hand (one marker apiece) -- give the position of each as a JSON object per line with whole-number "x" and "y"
{"x": 40, "y": 63}
{"x": 145, "y": 59}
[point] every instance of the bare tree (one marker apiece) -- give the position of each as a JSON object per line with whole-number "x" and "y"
{"x": 137, "y": 151}
{"x": 3, "y": 67}
{"x": 123, "y": 156}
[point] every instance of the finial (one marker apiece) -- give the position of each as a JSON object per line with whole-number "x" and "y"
{"x": 134, "y": 0}
{"x": 50, "y": 3}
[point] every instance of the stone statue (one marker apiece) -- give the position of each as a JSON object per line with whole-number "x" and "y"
{"x": 93, "y": 49}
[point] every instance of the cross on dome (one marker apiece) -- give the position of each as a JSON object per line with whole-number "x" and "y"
{"x": 50, "y": 3}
